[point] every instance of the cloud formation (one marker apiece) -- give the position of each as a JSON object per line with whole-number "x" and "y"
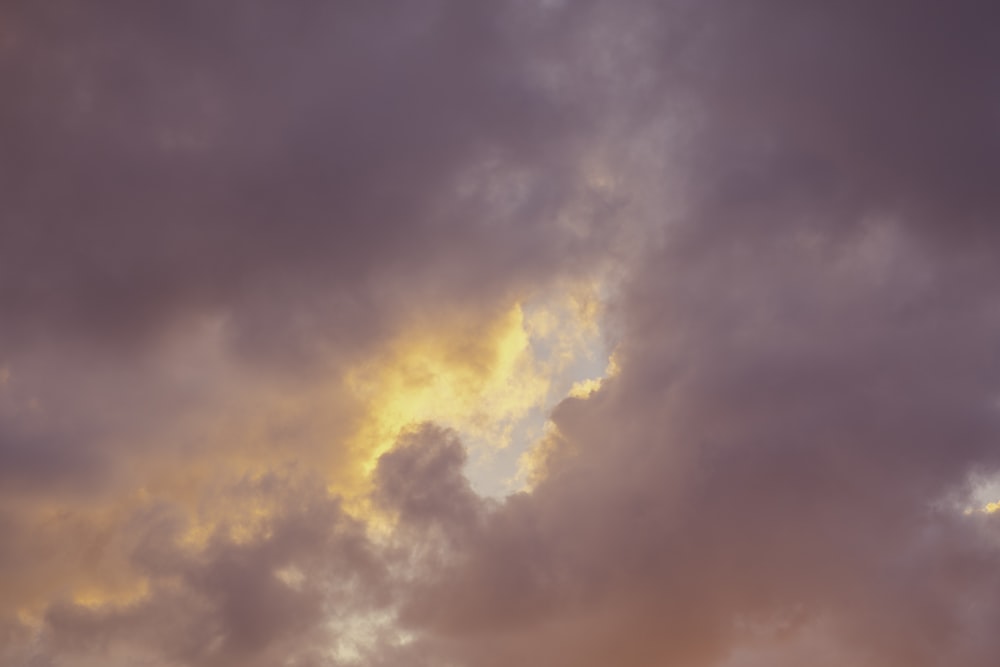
{"x": 266, "y": 277}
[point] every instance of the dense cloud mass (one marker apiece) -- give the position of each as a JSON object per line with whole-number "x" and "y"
{"x": 272, "y": 275}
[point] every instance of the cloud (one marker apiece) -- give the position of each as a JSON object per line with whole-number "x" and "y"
{"x": 422, "y": 479}
{"x": 239, "y": 159}
{"x": 267, "y": 278}
{"x": 271, "y": 593}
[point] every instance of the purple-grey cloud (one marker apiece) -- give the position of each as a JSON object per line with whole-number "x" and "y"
{"x": 807, "y": 332}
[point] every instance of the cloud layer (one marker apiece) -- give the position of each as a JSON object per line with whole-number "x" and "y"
{"x": 248, "y": 251}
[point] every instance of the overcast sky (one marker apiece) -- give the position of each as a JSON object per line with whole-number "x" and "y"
{"x": 558, "y": 333}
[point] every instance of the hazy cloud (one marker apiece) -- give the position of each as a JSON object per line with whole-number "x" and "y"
{"x": 213, "y": 213}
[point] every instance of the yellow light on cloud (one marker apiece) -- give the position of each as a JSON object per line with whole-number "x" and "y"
{"x": 475, "y": 379}
{"x": 482, "y": 377}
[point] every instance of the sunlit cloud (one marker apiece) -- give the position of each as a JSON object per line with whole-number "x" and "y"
{"x": 455, "y": 334}
{"x": 492, "y": 381}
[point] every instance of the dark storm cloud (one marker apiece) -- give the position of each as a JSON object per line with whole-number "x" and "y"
{"x": 422, "y": 480}
{"x": 887, "y": 109}
{"x": 808, "y": 369}
{"x": 773, "y": 458}
{"x": 161, "y": 162}
{"x": 311, "y": 179}
{"x": 191, "y": 192}
{"x": 808, "y": 375}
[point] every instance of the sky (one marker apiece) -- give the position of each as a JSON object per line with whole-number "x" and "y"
{"x": 474, "y": 334}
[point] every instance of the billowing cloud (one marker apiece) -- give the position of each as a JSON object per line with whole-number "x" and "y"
{"x": 287, "y": 293}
